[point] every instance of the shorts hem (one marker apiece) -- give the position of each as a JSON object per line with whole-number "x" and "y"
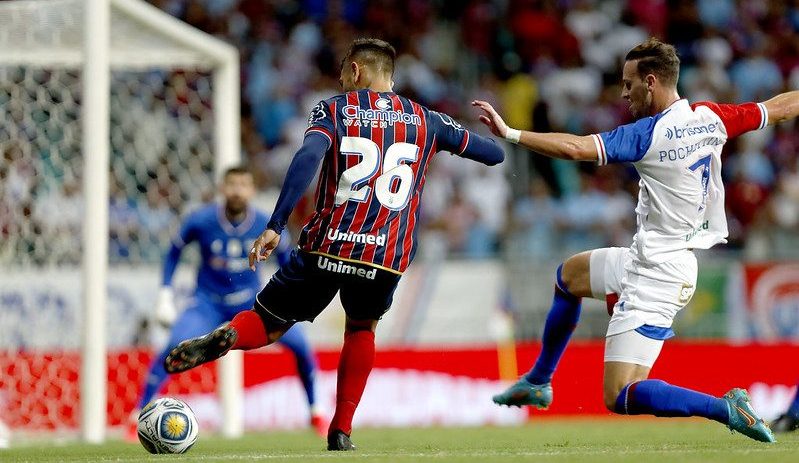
{"x": 623, "y": 359}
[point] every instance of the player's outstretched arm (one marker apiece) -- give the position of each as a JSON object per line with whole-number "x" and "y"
{"x": 554, "y": 145}
{"x": 783, "y": 107}
{"x": 298, "y": 177}
{"x": 482, "y": 149}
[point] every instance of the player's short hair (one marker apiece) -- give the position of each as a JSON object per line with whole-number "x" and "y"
{"x": 236, "y": 170}
{"x": 658, "y": 58}
{"x": 376, "y": 53}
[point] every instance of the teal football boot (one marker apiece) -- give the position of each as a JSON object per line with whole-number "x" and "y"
{"x": 525, "y": 393}
{"x": 743, "y": 417}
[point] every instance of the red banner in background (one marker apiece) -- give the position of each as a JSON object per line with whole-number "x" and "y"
{"x": 771, "y": 295}
{"x": 446, "y": 386}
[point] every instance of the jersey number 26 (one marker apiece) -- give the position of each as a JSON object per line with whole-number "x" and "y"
{"x": 392, "y": 187}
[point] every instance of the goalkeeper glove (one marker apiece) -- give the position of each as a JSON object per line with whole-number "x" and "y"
{"x": 165, "y": 311}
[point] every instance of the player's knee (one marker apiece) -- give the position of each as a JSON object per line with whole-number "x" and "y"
{"x": 573, "y": 277}
{"x": 611, "y": 395}
{"x": 614, "y": 383}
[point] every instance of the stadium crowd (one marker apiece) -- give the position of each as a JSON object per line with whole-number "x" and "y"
{"x": 548, "y": 65}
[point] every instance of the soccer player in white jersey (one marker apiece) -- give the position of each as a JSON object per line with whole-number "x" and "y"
{"x": 675, "y": 147}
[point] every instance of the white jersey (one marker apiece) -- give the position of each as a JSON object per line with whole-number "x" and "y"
{"x": 677, "y": 154}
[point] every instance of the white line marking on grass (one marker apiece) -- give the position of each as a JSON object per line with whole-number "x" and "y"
{"x": 463, "y": 454}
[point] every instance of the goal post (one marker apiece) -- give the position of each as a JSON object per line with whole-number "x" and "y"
{"x": 97, "y": 93}
{"x": 95, "y": 132}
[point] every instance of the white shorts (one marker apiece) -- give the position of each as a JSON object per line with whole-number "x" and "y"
{"x": 649, "y": 295}
{"x": 632, "y": 347}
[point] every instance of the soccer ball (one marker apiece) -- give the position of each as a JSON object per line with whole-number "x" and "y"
{"x": 167, "y": 425}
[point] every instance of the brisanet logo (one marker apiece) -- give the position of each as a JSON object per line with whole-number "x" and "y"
{"x": 675, "y": 132}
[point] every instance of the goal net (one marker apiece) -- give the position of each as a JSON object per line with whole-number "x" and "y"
{"x": 173, "y": 112}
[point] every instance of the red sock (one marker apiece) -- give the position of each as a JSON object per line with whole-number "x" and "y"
{"x": 251, "y": 331}
{"x": 354, "y": 366}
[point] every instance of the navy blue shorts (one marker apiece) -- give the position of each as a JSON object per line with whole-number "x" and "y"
{"x": 302, "y": 288}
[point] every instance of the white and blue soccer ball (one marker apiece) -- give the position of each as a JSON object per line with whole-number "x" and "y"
{"x": 167, "y": 425}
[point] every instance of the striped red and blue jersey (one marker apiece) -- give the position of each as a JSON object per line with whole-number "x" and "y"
{"x": 372, "y": 176}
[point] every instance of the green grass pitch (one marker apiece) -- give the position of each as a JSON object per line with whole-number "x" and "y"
{"x": 549, "y": 440}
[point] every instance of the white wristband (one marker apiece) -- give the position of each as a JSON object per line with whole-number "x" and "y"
{"x": 513, "y": 135}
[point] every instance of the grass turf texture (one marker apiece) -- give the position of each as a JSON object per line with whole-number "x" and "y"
{"x": 550, "y": 440}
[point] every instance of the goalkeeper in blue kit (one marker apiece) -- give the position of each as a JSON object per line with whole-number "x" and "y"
{"x": 226, "y": 286}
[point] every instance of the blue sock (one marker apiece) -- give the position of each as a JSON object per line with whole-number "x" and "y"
{"x": 793, "y": 410}
{"x": 155, "y": 379}
{"x": 659, "y": 398}
{"x": 194, "y": 321}
{"x": 294, "y": 339}
{"x": 561, "y": 321}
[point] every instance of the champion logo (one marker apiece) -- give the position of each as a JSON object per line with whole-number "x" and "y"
{"x": 383, "y": 103}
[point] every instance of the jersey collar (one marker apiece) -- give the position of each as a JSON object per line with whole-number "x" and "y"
{"x": 231, "y": 229}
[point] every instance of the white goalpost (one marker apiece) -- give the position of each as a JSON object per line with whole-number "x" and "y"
{"x": 95, "y": 148}
{"x": 137, "y": 109}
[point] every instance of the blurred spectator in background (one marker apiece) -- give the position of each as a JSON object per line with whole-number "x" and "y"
{"x": 548, "y": 65}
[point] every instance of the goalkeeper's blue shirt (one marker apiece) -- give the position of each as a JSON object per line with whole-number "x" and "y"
{"x": 224, "y": 277}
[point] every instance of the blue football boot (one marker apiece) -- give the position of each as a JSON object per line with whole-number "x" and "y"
{"x": 743, "y": 417}
{"x": 525, "y": 393}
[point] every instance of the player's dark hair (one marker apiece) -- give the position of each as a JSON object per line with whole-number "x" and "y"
{"x": 237, "y": 170}
{"x": 375, "y": 53}
{"x": 658, "y": 58}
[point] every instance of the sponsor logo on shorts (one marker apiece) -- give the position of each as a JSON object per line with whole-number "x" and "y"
{"x": 342, "y": 267}
{"x": 686, "y": 293}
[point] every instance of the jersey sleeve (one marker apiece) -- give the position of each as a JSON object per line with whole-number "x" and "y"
{"x": 185, "y": 235}
{"x": 187, "y": 232}
{"x": 450, "y": 135}
{"x": 738, "y": 118}
{"x": 321, "y": 120}
{"x": 627, "y": 143}
{"x": 284, "y": 248}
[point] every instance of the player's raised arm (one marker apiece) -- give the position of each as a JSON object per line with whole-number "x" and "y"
{"x": 554, "y": 145}
{"x": 783, "y": 107}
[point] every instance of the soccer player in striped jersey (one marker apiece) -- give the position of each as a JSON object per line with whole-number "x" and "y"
{"x": 676, "y": 148}
{"x": 375, "y": 147}
{"x": 225, "y": 285}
